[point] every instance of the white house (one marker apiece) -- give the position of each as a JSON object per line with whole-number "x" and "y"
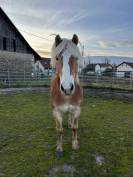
{"x": 39, "y": 67}
{"x": 125, "y": 69}
{"x": 43, "y": 66}
{"x": 101, "y": 67}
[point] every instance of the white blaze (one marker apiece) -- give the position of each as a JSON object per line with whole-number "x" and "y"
{"x": 66, "y": 79}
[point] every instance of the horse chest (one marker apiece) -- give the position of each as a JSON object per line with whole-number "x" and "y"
{"x": 67, "y": 108}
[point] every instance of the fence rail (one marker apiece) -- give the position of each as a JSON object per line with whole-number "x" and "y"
{"x": 28, "y": 79}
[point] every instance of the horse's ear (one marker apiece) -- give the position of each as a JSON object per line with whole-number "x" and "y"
{"x": 75, "y": 39}
{"x": 58, "y": 40}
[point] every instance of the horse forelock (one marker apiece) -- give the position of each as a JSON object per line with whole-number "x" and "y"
{"x": 67, "y": 45}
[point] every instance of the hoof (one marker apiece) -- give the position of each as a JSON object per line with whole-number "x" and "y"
{"x": 59, "y": 154}
{"x": 75, "y": 146}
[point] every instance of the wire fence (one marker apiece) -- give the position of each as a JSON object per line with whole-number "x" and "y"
{"x": 27, "y": 79}
{"x": 107, "y": 81}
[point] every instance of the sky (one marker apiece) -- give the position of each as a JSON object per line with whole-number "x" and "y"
{"x": 104, "y": 27}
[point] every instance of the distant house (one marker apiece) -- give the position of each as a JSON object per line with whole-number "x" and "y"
{"x": 43, "y": 66}
{"x": 125, "y": 69}
{"x": 15, "y": 52}
{"x": 97, "y": 68}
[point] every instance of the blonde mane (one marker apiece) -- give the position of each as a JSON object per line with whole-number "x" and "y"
{"x": 71, "y": 48}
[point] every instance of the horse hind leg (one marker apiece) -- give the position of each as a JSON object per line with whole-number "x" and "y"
{"x": 59, "y": 128}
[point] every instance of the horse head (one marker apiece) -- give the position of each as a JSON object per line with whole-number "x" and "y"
{"x": 65, "y": 57}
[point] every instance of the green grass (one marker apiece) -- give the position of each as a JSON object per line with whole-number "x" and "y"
{"x": 28, "y": 137}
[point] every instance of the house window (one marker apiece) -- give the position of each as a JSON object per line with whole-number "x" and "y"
{"x": 14, "y": 45}
{"x": 0, "y": 42}
{"x": 4, "y": 43}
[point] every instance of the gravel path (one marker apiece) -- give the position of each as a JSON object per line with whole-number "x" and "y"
{"x": 23, "y": 90}
{"x": 109, "y": 93}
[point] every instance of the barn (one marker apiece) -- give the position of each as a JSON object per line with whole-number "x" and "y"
{"x": 15, "y": 52}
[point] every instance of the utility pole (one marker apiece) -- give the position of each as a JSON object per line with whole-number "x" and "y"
{"x": 83, "y": 50}
{"x": 82, "y": 53}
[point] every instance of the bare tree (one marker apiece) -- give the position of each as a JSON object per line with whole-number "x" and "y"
{"x": 106, "y": 60}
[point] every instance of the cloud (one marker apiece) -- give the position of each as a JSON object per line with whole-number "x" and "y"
{"x": 102, "y": 44}
{"x": 96, "y": 52}
{"x": 73, "y": 17}
{"x": 44, "y": 53}
{"x": 102, "y": 30}
{"x": 126, "y": 43}
{"x": 115, "y": 44}
{"x": 62, "y": 18}
{"x": 46, "y": 17}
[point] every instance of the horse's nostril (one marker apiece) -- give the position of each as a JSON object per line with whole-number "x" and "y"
{"x": 67, "y": 91}
{"x": 62, "y": 88}
{"x": 71, "y": 89}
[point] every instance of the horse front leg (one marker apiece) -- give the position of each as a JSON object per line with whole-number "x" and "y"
{"x": 59, "y": 128}
{"x": 74, "y": 127}
{"x": 70, "y": 120}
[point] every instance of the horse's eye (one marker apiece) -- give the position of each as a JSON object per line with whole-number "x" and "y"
{"x": 56, "y": 58}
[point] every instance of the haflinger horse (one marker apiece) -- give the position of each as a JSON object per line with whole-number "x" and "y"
{"x": 66, "y": 91}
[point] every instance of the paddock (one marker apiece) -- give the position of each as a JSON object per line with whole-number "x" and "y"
{"x": 27, "y": 138}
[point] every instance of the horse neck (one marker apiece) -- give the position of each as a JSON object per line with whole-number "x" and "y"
{"x": 77, "y": 79}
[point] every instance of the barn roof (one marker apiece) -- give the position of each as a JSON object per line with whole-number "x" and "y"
{"x": 128, "y": 63}
{"x": 104, "y": 64}
{"x": 7, "y": 19}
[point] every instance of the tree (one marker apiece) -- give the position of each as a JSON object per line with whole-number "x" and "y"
{"x": 106, "y": 60}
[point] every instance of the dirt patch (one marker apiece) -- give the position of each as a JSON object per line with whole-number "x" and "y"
{"x": 108, "y": 93}
{"x": 24, "y": 90}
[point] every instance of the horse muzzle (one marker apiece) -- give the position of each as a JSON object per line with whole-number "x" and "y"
{"x": 67, "y": 90}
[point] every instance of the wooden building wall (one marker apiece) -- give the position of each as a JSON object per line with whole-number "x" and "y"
{"x": 10, "y": 39}
{"x": 13, "y": 61}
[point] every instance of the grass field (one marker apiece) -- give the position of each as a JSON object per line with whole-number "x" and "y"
{"x": 28, "y": 136}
